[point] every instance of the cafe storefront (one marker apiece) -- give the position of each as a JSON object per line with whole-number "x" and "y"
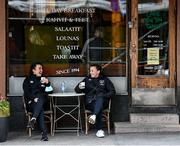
{"x": 135, "y": 42}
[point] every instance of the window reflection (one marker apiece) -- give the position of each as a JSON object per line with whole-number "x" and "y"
{"x": 63, "y": 35}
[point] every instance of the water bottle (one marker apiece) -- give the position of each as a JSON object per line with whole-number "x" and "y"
{"x": 161, "y": 68}
{"x": 63, "y": 86}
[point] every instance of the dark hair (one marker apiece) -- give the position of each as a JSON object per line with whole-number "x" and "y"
{"x": 98, "y": 67}
{"x": 33, "y": 66}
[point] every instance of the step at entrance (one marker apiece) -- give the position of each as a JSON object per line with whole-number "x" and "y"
{"x": 149, "y": 122}
{"x": 127, "y": 127}
{"x": 151, "y": 118}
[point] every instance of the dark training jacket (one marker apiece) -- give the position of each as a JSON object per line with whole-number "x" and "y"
{"x": 32, "y": 87}
{"x": 97, "y": 87}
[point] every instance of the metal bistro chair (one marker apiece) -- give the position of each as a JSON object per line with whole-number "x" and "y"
{"x": 48, "y": 114}
{"x": 105, "y": 116}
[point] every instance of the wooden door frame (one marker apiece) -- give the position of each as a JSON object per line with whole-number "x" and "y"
{"x": 172, "y": 43}
{"x": 153, "y": 90}
{"x": 134, "y": 44}
{"x": 3, "y": 48}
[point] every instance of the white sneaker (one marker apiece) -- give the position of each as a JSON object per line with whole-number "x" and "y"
{"x": 92, "y": 119}
{"x": 100, "y": 133}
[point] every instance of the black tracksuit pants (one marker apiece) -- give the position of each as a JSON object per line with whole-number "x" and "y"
{"x": 37, "y": 109}
{"x": 96, "y": 107}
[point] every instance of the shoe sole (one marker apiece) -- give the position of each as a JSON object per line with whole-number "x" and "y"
{"x": 44, "y": 139}
{"x": 100, "y": 136}
{"x": 91, "y": 121}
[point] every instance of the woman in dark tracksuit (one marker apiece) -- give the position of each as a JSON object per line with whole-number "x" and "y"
{"x": 35, "y": 97}
{"x": 98, "y": 90}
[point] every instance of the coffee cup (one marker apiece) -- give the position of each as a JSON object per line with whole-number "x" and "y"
{"x": 43, "y": 79}
{"x": 82, "y": 85}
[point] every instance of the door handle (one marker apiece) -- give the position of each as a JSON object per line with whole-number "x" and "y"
{"x": 133, "y": 47}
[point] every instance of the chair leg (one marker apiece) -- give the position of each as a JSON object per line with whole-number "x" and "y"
{"x": 86, "y": 124}
{"x": 51, "y": 125}
{"x": 29, "y": 129}
{"x": 108, "y": 124}
{"x": 30, "y": 132}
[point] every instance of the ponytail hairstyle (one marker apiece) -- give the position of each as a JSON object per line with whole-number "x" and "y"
{"x": 98, "y": 67}
{"x": 33, "y": 66}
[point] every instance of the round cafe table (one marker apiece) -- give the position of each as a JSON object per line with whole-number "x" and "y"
{"x": 60, "y": 112}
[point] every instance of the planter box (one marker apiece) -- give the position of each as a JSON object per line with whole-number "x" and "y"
{"x": 4, "y": 125}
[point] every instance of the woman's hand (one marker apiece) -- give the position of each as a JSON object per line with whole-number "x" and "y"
{"x": 82, "y": 85}
{"x": 44, "y": 80}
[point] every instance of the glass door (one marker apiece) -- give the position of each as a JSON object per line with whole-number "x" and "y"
{"x": 152, "y": 52}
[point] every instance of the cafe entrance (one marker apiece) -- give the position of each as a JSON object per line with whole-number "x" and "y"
{"x": 152, "y": 52}
{"x": 152, "y": 67}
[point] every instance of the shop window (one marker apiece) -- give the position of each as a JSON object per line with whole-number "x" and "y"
{"x": 66, "y": 37}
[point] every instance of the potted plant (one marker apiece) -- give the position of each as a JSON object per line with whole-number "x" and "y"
{"x": 4, "y": 118}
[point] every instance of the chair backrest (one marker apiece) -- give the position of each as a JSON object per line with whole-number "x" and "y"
{"x": 109, "y": 106}
{"x": 24, "y": 104}
{"x": 108, "y": 109}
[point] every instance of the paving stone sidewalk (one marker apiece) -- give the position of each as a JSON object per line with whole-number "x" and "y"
{"x": 71, "y": 139}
